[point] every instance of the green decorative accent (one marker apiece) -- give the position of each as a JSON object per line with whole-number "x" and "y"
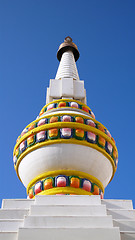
{"x": 80, "y": 106}
{"x": 92, "y": 187}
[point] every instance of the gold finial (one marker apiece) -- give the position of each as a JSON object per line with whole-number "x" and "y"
{"x": 68, "y": 45}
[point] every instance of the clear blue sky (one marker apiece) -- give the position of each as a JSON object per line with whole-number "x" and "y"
{"x": 30, "y": 33}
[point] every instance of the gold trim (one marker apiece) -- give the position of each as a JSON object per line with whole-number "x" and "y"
{"x": 65, "y": 125}
{"x": 64, "y": 190}
{"x": 67, "y": 114}
{"x": 67, "y": 173}
{"x": 65, "y": 100}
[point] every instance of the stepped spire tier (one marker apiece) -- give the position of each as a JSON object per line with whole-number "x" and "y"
{"x": 65, "y": 150}
{"x": 67, "y": 67}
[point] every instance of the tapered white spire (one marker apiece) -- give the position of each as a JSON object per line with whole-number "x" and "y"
{"x": 67, "y": 67}
{"x": 67, "y": 83}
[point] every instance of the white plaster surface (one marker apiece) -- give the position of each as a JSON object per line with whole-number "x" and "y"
{"x": 8, "y": 235}
{"x": 68, "y": 210}
{"x": 82, "y": 200}
{"x": 65, "y": 156}
{"x": 68, "y": 221}
{"x": 79, "y": 91}
{"x": 16, "y": 203}
{"x": 127, "y": 235}
{"x": 10, "y": 225}
{"x": 13, "y": 213}
{"x": 124, "y": 224}
{"x": 118, "y": 204}
{"x": 67, "y": 67}
{"x": 67, "y": 217}
{"x": 122, "y": 213}
{"x": 66, "y": 83}
{"x": 70, "y": 233}
{"x": 67, "y": 88}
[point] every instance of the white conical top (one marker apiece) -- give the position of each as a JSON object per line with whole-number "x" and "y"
{"x": 67, "y": 67}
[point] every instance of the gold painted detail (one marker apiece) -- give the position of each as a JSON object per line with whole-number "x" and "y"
{"x": 64, "y": 191}
{"x": 66, "y": 103}
{"x": 65, "y": 132}
{"x": 63, "y": 180}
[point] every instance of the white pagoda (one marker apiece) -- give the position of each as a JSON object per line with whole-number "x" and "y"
{"x": 65, "y": 159}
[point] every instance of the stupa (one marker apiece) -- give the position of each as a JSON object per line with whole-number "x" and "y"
{"x": 65, "y": 150}
{"x": 65, "y": 159}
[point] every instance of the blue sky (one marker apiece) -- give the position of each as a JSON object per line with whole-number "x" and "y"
{"x": 30, "y": 34}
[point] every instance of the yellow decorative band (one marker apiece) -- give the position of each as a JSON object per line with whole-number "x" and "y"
{"x": 67, "y": 103}
{"x": 58, "y": 125}
{"x": 65, "y": 191}
{"x": 60, "y": 115}
{"x": 65, "y": 129}
{"x": 68, "y": 173}
{"x": 75, "y": 182}
{"x": 66, "y": 100}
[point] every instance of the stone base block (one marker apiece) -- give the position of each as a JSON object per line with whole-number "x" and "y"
{"x": 67, "y": 200}
{"x": 8, "y": 236}
{"x": 125, "y": 225}
{"x": 117, "y": 204}
{"x": 64, "y": 210}
{"x": 10, "y": 225}
{"x": 127, "y": 235}
{"x": 69, "y": 233}
{"x": 16, "y": 203}
{"x": 13, "y": 213}
{"x": 121, "y": 213}
{"x": 68, "y": 222}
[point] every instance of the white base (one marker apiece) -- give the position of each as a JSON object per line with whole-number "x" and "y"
{"x": 13, "y": 213}
{"x": 69, "y": 233}
{"x": 65, "y": 210}
{"x": 8, "y": 235}
{"x": 68, "y": 221}
{"x": 81, "y": 200}
{"x": 67, "y": 217}
{"x": 10, "y": 225}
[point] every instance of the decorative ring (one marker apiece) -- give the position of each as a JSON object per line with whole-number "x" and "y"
{"x": 67, "y": 173}
{"x": 66, "y": 114}
{"x": 65, "y": 125}
{"x": 66, "y": 100}
{"x": 65, "y": 191}
{"x": 68, "y": 103}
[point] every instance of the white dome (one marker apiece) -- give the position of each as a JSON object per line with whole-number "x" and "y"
{"x": 67, "y": 157}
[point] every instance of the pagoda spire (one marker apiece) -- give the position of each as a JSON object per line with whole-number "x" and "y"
{"x": 67, "y": 55}
{"x": 67, "y": 83}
